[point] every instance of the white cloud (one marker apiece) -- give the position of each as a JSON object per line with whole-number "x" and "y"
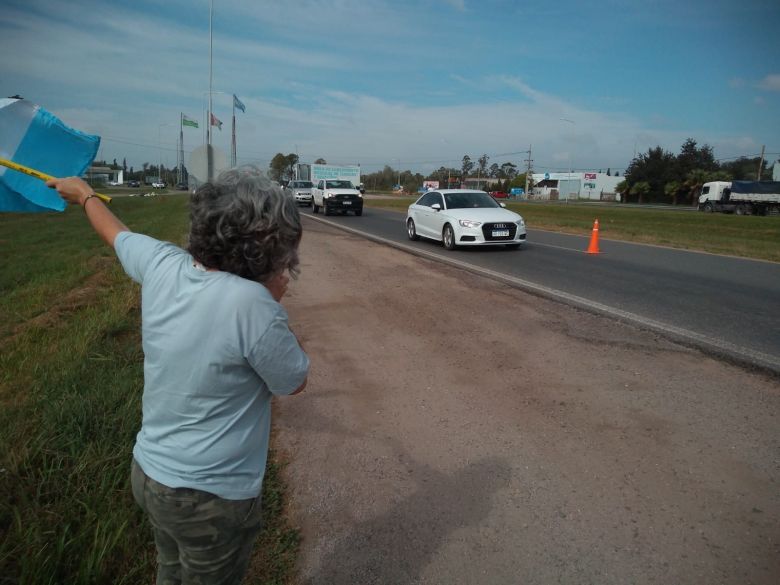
{"x": 770, "y": 82}
{"x": 459, "y": 5}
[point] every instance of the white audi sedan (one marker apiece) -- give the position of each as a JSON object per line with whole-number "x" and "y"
{"x": 459, "y": 217}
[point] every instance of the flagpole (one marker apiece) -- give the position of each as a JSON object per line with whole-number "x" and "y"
{"x": 181, "y": 147}
{"x": 39, "y": 175}
{"x": 233, "y": 144}
{"x": 209, "y": 156}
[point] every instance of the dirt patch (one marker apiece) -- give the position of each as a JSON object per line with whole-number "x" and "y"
{"x": 456, "y": 430}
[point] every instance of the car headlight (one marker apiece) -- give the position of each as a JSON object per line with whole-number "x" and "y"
{"x": 467, "y": 223}
{"x": 521, "y": 222}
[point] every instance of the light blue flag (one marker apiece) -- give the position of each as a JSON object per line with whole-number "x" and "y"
{"x": 237, "y": 104}
{"x": 32, "y": 137}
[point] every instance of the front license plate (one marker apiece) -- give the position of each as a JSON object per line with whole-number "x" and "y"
{"x": 347, "y": 202}
{"x": 500, "y": 233}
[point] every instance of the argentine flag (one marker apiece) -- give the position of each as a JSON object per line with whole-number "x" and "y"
{"x": 32, "y": 137}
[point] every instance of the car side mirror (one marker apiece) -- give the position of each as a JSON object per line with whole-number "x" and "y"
{"x": 502, "y": 204}
{"x": 436, "y": 207}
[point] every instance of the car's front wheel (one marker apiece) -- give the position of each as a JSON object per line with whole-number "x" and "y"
{"x": 411, "y": 230}
{"x": 315, "y": 208}
{"x": 448, "y": 237}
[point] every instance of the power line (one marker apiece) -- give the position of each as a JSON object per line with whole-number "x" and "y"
{"x": 745, "y": 156}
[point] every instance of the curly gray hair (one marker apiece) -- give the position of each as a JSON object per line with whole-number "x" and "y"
{"x": 243, "y": 224}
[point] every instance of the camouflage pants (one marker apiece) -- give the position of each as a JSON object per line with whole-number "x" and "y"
{"x": 201, "y": 539}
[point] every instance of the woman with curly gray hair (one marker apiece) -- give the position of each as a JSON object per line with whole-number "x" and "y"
{"x": 217, "y": 347}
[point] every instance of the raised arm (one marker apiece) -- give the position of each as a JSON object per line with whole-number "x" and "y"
{"x": 78, "y": 192}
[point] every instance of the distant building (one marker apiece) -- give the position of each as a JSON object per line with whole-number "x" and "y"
{"x": 563, "y": 186}
{"x": 105, "y": 175}
{"x": 482, "y": 183}
{"x": 776, "y": 171}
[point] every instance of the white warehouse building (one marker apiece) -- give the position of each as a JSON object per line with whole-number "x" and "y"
{"x": 575, "y": 185}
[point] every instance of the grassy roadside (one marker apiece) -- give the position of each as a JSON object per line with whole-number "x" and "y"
{"x": 70, "y": 387}
{"x": 746, "y": 236}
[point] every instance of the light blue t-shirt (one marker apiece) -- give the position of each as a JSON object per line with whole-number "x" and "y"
{"x": 216, "y": 347}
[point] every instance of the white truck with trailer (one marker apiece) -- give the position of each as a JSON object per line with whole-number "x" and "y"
{"x": 741, "y": 197}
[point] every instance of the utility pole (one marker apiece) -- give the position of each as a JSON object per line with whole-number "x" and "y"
{"x": 529, "y": 160}
{"x": 760, "y": 163}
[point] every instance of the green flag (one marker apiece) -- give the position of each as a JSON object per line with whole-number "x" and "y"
{"x": 188, "y": 121}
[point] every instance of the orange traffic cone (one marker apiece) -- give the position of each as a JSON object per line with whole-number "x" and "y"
{"x": 593, "y": 247}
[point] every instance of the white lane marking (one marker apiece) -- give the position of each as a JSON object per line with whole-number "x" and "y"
{"x": 720, "y": 347}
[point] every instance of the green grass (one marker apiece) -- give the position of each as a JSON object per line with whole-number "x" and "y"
{"x": 71, "y": 377}
{"x": 746, "y": 236}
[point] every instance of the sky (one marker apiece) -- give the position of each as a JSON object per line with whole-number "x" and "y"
{"x": 414, "y": 84}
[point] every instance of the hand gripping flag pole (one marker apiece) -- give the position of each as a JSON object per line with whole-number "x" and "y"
{"x": 38, "y": 146}
{"x": 39, "y": 175}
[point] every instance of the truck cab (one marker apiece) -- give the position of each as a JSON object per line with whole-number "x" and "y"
{"x": 713, "y": 195}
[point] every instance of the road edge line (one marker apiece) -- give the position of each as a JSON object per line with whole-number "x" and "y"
{"x": 713, "y": 346}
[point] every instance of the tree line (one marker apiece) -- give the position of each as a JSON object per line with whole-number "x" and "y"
{"x": 659, "y": 176}
{"x": 501, "y": 177}
{"x": 504, "y": 176}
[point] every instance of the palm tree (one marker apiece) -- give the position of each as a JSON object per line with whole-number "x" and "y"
{"x": 640, "y": 189}
{"x": 672, "y": 189}
{"x": 623, "y": 188}
{"x": 693, "y": 183}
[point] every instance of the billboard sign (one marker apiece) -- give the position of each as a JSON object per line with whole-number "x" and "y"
{"x": 347, "y": 173}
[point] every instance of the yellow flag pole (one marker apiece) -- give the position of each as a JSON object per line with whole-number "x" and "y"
{"x": 39, "y": 175}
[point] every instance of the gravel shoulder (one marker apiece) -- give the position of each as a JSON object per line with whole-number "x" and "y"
{"x": 456, "y": 430}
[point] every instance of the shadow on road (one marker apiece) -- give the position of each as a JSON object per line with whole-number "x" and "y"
{"x": 396, "y": 546}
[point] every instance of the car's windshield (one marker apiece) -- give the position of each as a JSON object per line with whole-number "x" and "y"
{"x": 469, "y": 200}
{"x": 339, "y": 185}
{"x": 301, "y": 184}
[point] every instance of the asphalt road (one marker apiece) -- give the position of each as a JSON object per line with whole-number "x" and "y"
{"x": 723, "y": 304}
{"x": 458, "y": 431}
